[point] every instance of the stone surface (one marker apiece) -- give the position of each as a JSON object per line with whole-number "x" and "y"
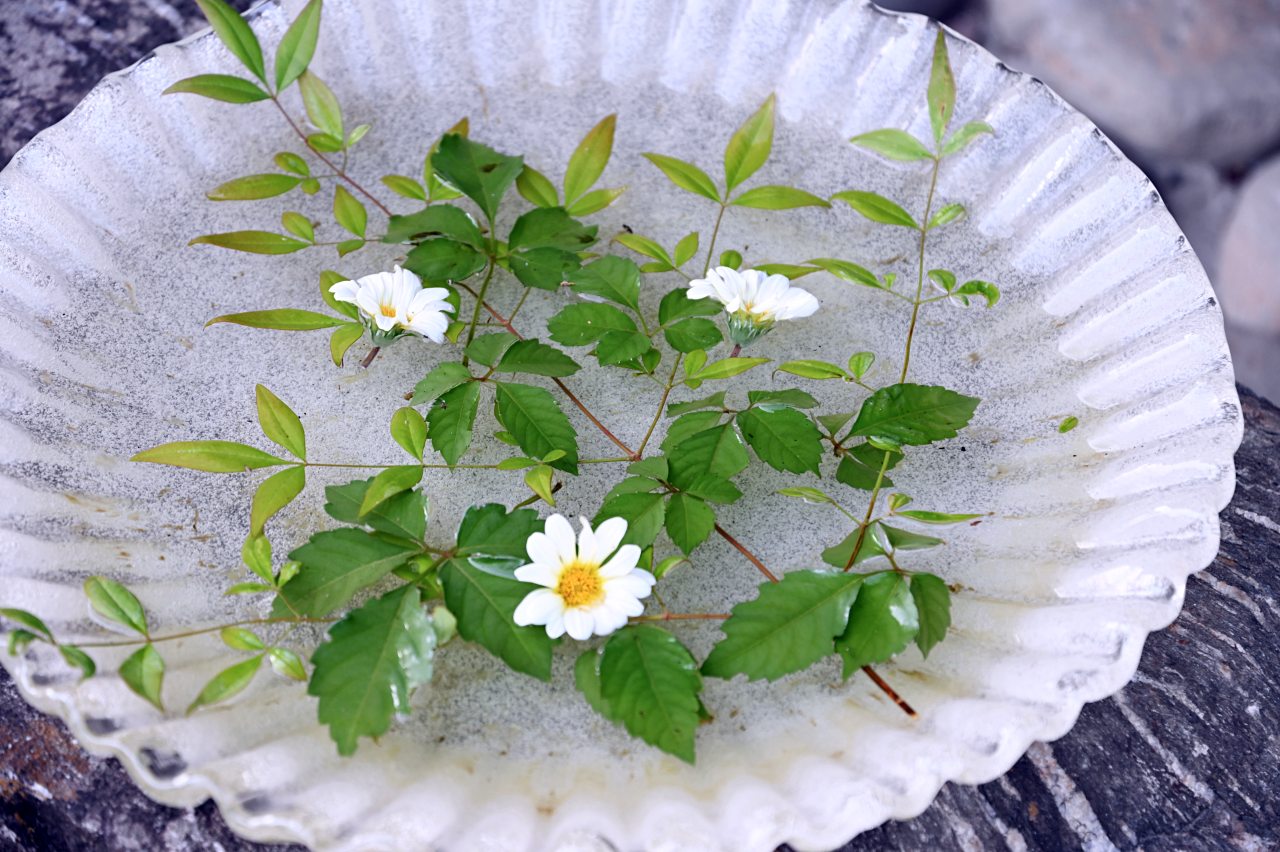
{"x": 1179, "y": 79}
{"x": 1187, "y": 757}
{"x": 1249, "y": 274}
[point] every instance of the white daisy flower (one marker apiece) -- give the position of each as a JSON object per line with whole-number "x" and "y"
{"x": 396, "y": 302}
{"x": 753, "y": 300}
{"x": 587, "y": 586}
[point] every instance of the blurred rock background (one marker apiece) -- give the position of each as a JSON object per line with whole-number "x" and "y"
{"x": 1190, "y": 90}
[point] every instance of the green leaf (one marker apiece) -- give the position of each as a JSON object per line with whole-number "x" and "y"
{"x": 688, "y": 335}
{"x": 336, "y": 564}
{"x": 143, "y": 670}
{"x": 778, "y": 198}
{"x": 810, "y": 369}
{"x": 19, "y": 641}
{"x": 323, "y": 109}
{"x": 687, "y": 176}
{"x": 690, "y": 423}
{"x": 275, "y": 492}
{"x": 643, "y": 512}
{"x": 451, "y": 419}
{"x": 235, "y": 34}
{"x": 374, "y": 659}
{"x": 646, "y": 247}
{"x": 731, "y": 259}
{"x": 280, "y": 424}
{"x": 404, "y": 515}
{"x": 389, "y": 483}
{"x": 342, "y": 339}
{"x": 942, "y": 89}
{"x": 488, "y": 348}
{"x": 405, "y": 187}
{"x": 712, "y": 488}
{"x": 790, "y": 271}
{"x": 985, "y": 289}
{"x": 531, "y": 414}
{"x": 493, "y": 531}
{"x": 551, "y": 227}
{"x": 946, "y": 215}
{"x": 876, "y": 207}
{"x": 940, "y": 518}
{"x": 933, "y": 607}
{"x": 882, "y": 622}
{"x": 485, "y": 605}
{"x": 287, "y": 663}
{"x": 26, "y": 619}
{"x": 438, "y": 220}
{"x": 209, "y": 456}
{"x": 475, "y": 170}
{"x": 544, "y": 268}
{"x": 409, "y": 430}
{"x": 252, "y": 187}
{"x": 715, "y": 400}
{"x": 324, "y": 142}
{"x": 614, "y": 278}
{"x": 531, "y": 356}
{"x": 789, "y": 626}
{"x": 834, "y": 422}
{"x": 298, "y": 225}
{"x": 749, "y": 147}
{"x": 540, "y": 481}
{"x": 534, "y": 188}
{"x": 650, "y": 683}
{"x": 227, "y": 683}
{"x": 253, "y": 242}
{"x": 784, "y": 438}
{"x": 689, "y": 521}
{"x": 964, "y": 136}
{"x": 437, "y": 190}
{"x": 860, "y": 363}
{"x": 298, "y": 45}
{"x": 718, "y": 451}
{"x": 442, "y": 379}
{"x": 280, "y": 319}
{"x": 1068, "y": 423}
{"x": 586, "y": 322}
{"x": 256, "y": 554}
{"x": 897, "y": 539}
{"x": 444, "y": 260}
{"x": 595, "y": 201}
{"x": 586, "y": 676}
{"x": 686, "y": 248}
{"x": 726, "y": 368}
{"x": 848, "y": 271}
{"x": 914, "y": 414}
{"x": 240, "y": 639}
{"x": 860, "y": 467}
{"x": 79, "y": 659}
{"x": 219, "y": 87}
{"x": 791, "y": 397}
{"x": 809, "y": 495}
{"x": 588, "y": 160}
{"x": 349, "y": 212}
{"x": 894, "y": 144}
{"x": 621, "y": 348}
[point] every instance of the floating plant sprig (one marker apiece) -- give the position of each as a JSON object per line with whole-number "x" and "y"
{"x": 393, "y": 589}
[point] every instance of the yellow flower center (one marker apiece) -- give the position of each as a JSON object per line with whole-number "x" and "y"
{"x": 387, "y": 310}
{"x": 580, "y": 584}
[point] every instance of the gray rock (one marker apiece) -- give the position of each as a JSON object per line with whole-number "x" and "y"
{"x": 1186, "y": 79}
{"x": 1248, "y": 282}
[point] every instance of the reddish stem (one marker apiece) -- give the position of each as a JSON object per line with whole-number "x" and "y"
{"x": 751, "y": 557}
{"x": 890, "y": 692}
{"x": 368, "y": 359}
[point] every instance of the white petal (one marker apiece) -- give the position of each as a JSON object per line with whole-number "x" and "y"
{"x": 624, "y": 604}
{"x": 622, "y": 562}
{"x": 345, "y": 291}
{"x": 542, "y": 549}
{"x": 540, "y": 573}
{"x": 538, "y": 607}
{"x": 637, "y": 583}
{"x": 368, "y": 302}
{"x": 431, "y": 325}
{"x": 560, "y": 532}
{"x": 578, "y": 623}
{"x": 609, "y": 535}
{"x": 796, "y": 304}
{"x": 588, "y": 551}
{"x": 385, "y": 323}
{"x": 607, "y": 620}
{"x": 555, "y": 626}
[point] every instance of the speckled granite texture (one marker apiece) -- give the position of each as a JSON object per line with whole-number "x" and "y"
{"x": 1186, "y": 758}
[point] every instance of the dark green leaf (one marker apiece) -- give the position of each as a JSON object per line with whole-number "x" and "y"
{"x": 882, "y": 622}
{"x": 442, "y": 379}
{"x": 894, "y": 144}
{"x": 404, "y": 515}
{"x": 914, "y": 414}
{"x": 337, "y": 564}
{"x": 484, "y": 605}
{"x": 789, "y": 626}
{"x": 227, "y": 683}
{"x": 690, "y": 334}
{"x": 544, "y": 268}
{"x": 783, "y": 438}
{"x": 235, "y": 34}
{"x": 444, "y": 260}
{"x": 712, "y": 488}
{"x": 209, "y": 456}
{"x": 298, "y": 45}
{"x": 614, "y": 278}
{"x": 220, "y": 87}
{"x": 933, "y": 606}
{"x": 253, "y": 242}
{"x": 650, "y": 683}
{"x": 488, "y": 348}
{"x": 75, "y": 657}
{"x": 586, "y": 322}
{"x": 551, "y": 227}
{"x": 530, "y": 356}
{"x": 475, "y": 170}
{"x": 493, "y": 531}
{"x": 791, "y": 397}
{"x": 877, "y": 208}
{"x": 644, "y": 514}
{"x": 718, "y": 451}
{"x": 275, "y": 492}
{"x": 621, "y": 347}
{"x": 143, "y": 672}
{"x": 778, "y": 198}
{"x": 750, "y": 145}
{"x": 687, "y": 176}
{"x": 438, "y": 220}
{"x": 716, "y": 400}
{"x": 531, "y": 414}
{"x": 689, "y": 521}
{"x": 373, "y": 660}
{"x": 252, "y": 187}
{"x": 451, "y": 419}
{"x": 690, "y": 422}
{"x": 942, "y": 89}
{"x": 860, "y": 467}
{"x": 586, "y": 676}
{"x": 588, "y": 160}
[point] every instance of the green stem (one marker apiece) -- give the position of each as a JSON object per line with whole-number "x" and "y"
{"x": 711, "y": 246}
{"x": 340, "y": 172}
{"x": 200, "y": 632}
{"x": 662, "y": 403}
{"x": 475, "y": 312}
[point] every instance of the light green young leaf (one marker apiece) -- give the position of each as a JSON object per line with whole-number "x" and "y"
{"x": 1068, "y": 423}
{"x": 322, "y": 108}
{"x": 531, "y": 414}
{"x": 253, "y": 187}
{"x": 342, "y": 339}
{"x": 940, "y": 518}
{"x": 235, "y": 34}
{"x": 540, "y": 481}
{"x": 241, "y": 639}
{"x": 143, "y": 672}
{"x": 650, "y": 683}
{"x": 336, "y": 564}
{"x": 686, "y": 248}
{"x": 595, "y": 201}
{"x": 280, "y": 319}
{"x": 484, "y": 604}
{"x": 256, "y": 555}
{"x": 298, "y": 45}
{"x": 964, "y": 136}
{"x": 946, "y": 215}
{"x": 750, "y": 145}
{"x": 252, "y": 242}
{"x": 219, "y": 87}
{"x": 894, "y": 144}
{"x": 914, "y": 414}
{"x": 791, "y": 271}
{"x": 689, "y": 521}
{"x": 451, "y": 419}
{"x": 789, "y": 626}
{"x": 882, "y": 622}
{"x": 227, "y": 683}
{"x": 298, "y": 225}
{"x": 79, "y": 659}
{"x": 933, "y": 607}
{"x": 409, "y": 430}
{"x": 403, "y": 516}
{"x": 860, "y": 363}
{"x": 985, "y": 289}
{"x": 778, "y": 198}
{"x": 807, "y": 368}
{"x": 784, "y": 438}
{"x": 275, "y": 492}
{"x": 370, "y": 665}
{"x": 287, "y": 663}
{"x": 535, "y": 188}
{"x": 588, "y": 160}
{"x": 687, "y": 176}
{"x": 325, "y": 143}
{"x": 731, "y": 259}
{"x": 726, "y": 368}
{"x": 26, "y": 619}
{"x": 209, "y": 456}
{"x": 389, "y": 483}
{"x": 349, "y": 212}
{"x": 646, "y": 247}
{"x": 280, "y": 424}
{"x": 405, "y": 187}
{"x": 876, "y": 207}
{"x": 848, "y": 271}
{"x": 942, "y": 89}
{"x": 807, "y": 494}
{"x": 477, "y": 171}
